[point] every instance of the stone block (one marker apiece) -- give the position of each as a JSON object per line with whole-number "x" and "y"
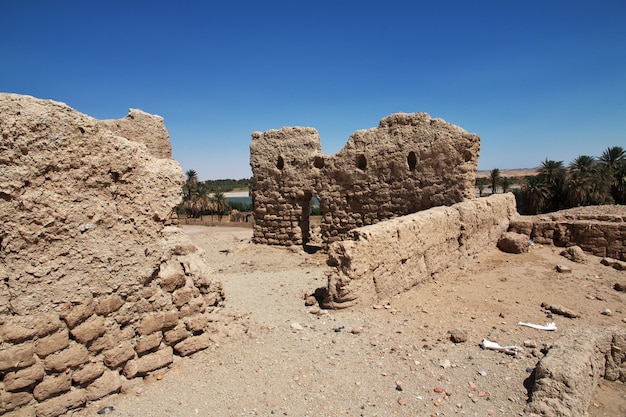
{"x": 158, "y": 321}
{"x": 148, "y": 363}
{"x": 12, "y": 400}
{"x": 28, "y": 411}
{"x": 148, "y": 343}
{"x": 74, "y": 315}
{"x": 18, "y": 329}
{"x": 52, "y": 343}
{"x": 193, "y": 344}
{"x": 72, "y": 357}
{"x": 171, "y": 276}
{"x": 17, "y": 357}
{"x": 88, "y": 373}
{"x": 196, "y": 323}
{"x": 119, "y": 355}
{"x": 110, "y": 339}
{"x": 182, "y": 296}
{"x": 109, "y": 383}
{"x": 176, "y": 335}
{"x": 60, "y": 405}
{"x": 108, "y": 305}
{"x": 14, "y": 381}
{"x": 51, "y": 386}
{"x": 89, "y": 330}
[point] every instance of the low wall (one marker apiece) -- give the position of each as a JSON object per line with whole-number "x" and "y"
{"x": 390, "y": 257}
{"x": 567, "y": 376}
{"x": 600, "y": 230}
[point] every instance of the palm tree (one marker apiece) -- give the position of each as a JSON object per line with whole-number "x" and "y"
{"x": 495, "y": 180}
{"x": 534, "y": 195}
{"x": 191, "y": 182}
{"x": 506, "y": 184}
{"x": 613, "y": 162}
{"x": 552, "y": 175}
{"x": 219, "y": 203}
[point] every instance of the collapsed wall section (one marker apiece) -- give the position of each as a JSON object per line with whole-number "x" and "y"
{"x": 382, "y": 260}
{"x": 410, "y": 162}
{"x": 96, "y": 289}
{"x": 600, "y": 230}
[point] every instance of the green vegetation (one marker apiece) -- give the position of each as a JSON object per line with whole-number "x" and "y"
{"x": 202, "y": 198}
{"x": 587, "y": 180}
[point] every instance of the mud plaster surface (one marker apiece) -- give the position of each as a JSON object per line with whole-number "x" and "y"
{"x": 377, "y": 361}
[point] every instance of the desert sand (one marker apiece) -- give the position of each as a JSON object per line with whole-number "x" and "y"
{"x": 395, "y": 358}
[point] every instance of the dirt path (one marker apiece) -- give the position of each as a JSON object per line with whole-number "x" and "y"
{"x": 381, "y": 361}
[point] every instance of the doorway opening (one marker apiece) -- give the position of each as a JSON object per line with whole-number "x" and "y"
{"x": 310, "y": 223}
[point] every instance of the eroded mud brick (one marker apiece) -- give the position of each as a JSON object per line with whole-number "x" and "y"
{"x": 51, "y": 386}
{"x": 119, "y": 355}
{"x": 14, "y": 381}
{"x": 59, "y": 405}
{"x": 52, "y": 343}
{"x": 109, "y": 383}
{"x": 17, "y": 357}
{"x": 71, "y": 357}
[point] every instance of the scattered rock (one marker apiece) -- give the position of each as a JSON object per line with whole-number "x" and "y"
{"x": 310, "y": 301}
{"x": 438, "y": 390}
{"x": 575, "y": 254}
{"x": 619, "y": 286}
{"x": 458, "y": 336}
{"x": 563, "y": 269}
{"x": 607, "y": 312}
{"x": 445, "y": 364}
{"x": 559, "y": 309}
{"x": 530, "y": 344}
{"x": 512, "y": 242}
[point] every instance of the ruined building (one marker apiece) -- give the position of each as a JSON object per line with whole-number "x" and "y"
{"x": 409, "y": 163}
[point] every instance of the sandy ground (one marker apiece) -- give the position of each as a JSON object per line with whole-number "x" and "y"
{"x": 384, "y": 361}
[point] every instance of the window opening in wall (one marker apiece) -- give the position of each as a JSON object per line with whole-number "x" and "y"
{"x": 318, "y": 162}
{"x": 280, "y": 164}
{"x": 361, "y": 162}
{"x": 412, "y": 160}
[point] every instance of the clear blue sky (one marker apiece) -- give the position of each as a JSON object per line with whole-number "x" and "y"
{"x": 534, "y": 79}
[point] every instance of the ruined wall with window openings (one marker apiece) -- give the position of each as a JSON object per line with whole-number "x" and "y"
{"x": 409, "y": 163}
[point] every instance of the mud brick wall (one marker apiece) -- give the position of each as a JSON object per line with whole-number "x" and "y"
{"x": 96, "y": 290}
{"x": 378, "y": 261}
{"x": 600, "y": 230}
{"x": 410, "y": 162}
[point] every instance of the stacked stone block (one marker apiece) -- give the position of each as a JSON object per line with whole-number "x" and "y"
{"x": 409, "y": 163}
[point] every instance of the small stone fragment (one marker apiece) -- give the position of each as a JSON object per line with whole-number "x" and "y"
{"x": 296, "y": 326}
{"x": 458, "y": 336}
{"x": 438, "y": 390}
{"x": 563, "y": 269}
{"x": 530, "y": 344}
{"x": 607, "y": 312}
{"x": 559, "y": 309}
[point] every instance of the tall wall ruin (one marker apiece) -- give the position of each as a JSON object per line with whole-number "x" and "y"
{"x": 410, "y": 162}
{"x": 96, "y": 289}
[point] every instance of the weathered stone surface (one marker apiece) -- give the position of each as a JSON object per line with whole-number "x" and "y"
{"x": 60, "y": 405}
{"x": 108, "y": 305}
{"x": 148, "y": 363}
{"x": 119, "y": 355}
{"x": 14, "y": 381}
{"x": 52, "y": 386}
{"x": 176, "y": 335}
{"x": 148, "y": 343}
{"x": 52, "y": 343}
{"x": 159, "y": 321}
{"x": 11, "y": 400}
{"x": 193, "y": 344}
{"x": 74, "y": 315}
{"x": 599, "y": 230}
{"x": 72, "y": 357}
{"x": 88, "y": 373}
{"x": 20, "y": 328}
{"x": 575, "y": 254}
{"x": 384, "y": 172}
{"x": 28, "y": 411}
{"x": 89, "y": 330}
{"x": 390, "y": 257}
{"x": 17, "y": 357}
{"x": 108, "y": 383}
{"x": 566, "y": 377}
{"x": 512, "y": 242}
{"x": 110, "y": 339}
{"x": 172, "y": 276}
{"x": 197, "y": 323}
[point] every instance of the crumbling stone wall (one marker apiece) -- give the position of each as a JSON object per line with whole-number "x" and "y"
{"x": 600, "y": 230}
{"x": 378, "y": 261}
{"x": 409, "y": 163}
{"x": 564, "y": 380}
{"x": 95, "y": 288}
